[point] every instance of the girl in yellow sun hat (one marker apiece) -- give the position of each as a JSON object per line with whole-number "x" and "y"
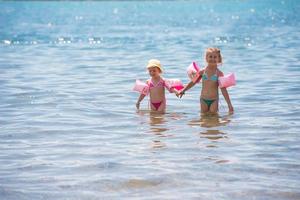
{"x": 155, "y": 87}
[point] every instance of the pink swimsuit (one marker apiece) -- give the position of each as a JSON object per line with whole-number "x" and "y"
{"x": 169, "y": 84}
{"x": 162, "y": 103}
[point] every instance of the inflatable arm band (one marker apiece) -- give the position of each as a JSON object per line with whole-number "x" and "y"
{"x": 227, "y": 81}
{"x": 141, "y": 87}
{"x": 173, "y": 84}
{"x": 193, "y": 72}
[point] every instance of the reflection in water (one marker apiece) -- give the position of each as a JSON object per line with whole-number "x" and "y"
{"x": 157, "y": 123}
{"x": 157, "y": 144}
{"x": 209, "y": 120}
{"x": 213, "y": 134}
{"x": 139, "y": 183}
{"x": 218, "y": 160}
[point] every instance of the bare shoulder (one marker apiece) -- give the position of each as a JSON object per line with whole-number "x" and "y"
{"x": 219, "y": 72}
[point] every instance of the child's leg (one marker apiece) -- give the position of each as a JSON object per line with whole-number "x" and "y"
{"x": 203, "y": 106}
{"x": 214, "y": 107}
{"x": 162, "y": 106}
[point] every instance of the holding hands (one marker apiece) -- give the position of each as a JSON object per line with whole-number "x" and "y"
{"x": 180, "y": 94}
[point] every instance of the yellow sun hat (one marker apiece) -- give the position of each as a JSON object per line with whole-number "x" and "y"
{"x": 154, "y": 63}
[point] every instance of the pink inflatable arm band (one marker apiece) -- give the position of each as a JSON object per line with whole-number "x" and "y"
{"x": 141, "y": 87}
{"x": 192, "y": 70}
{"x": 173, "y": 84}
{"x": 227, "y": 81}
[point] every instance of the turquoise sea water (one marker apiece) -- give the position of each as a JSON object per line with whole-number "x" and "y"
{"x": 69, "y": 128}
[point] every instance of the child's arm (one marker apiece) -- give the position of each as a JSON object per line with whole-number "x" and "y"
{"x": 173, "y": 85}
{"x": 173, "y": 90}
{"x": 227, "y": 99}
{"x": 191, "y": 84}
{"x": 142, "y": 96}
{"x": 187, "y": 87}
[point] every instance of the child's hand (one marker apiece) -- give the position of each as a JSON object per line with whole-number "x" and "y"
{"x": 176, "y": 92}
{"x": 180, "y": 94}
{"x": 230, "y": 109}
{"x": 137, "y": 105}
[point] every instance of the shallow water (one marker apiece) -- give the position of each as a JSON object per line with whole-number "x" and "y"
{"x": 69, "y": 128}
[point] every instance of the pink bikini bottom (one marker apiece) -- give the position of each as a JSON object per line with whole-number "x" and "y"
{"x": 157, "y": 105}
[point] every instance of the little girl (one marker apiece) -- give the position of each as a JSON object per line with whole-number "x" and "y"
{"x": 209, "y": 99}
{"x": 156, "y": 87}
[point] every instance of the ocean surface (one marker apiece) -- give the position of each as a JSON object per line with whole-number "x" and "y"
{"x": 69, "y": 127}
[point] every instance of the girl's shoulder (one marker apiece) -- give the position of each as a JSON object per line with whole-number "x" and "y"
{"x": 219, "y": 72}
{"x": 148, "y": 81}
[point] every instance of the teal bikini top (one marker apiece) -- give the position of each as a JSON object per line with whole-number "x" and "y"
{"x": 212, "y": 78}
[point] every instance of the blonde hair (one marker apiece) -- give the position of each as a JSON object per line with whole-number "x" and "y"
{"x": 214, "y": 50}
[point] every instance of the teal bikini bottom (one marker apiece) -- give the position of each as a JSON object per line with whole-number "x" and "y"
{"x": 208, "y": 102}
